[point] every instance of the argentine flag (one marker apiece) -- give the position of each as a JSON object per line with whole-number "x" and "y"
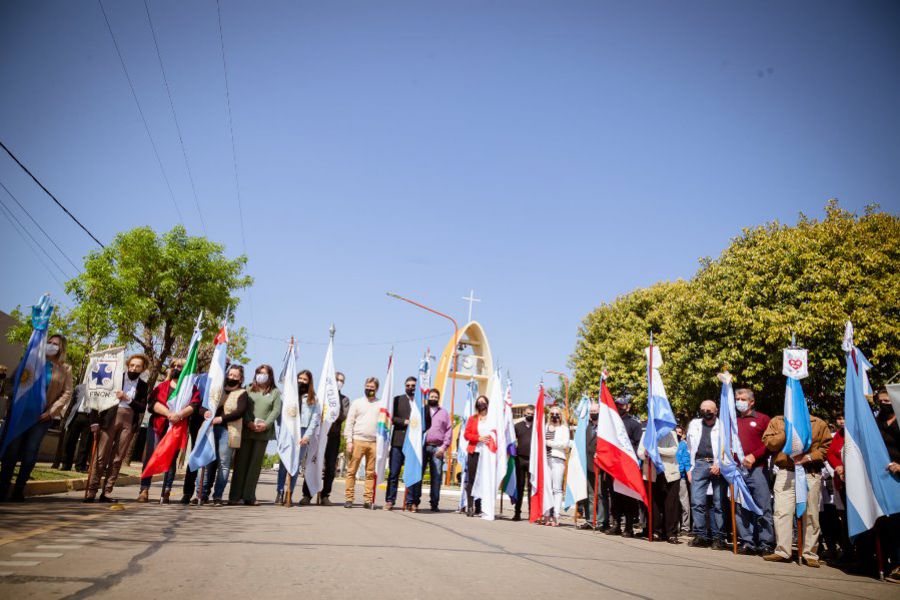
{"x": 797, "y": 437}
{"x": 576, "y": 473}
{"x": 31, "y": 380}
{"x": 872, "y": 491}
{"x": 660, "y": 418}
{"x": 289, "y": 431}
{"x": 731, "y": 446}
{"x": 415, "y": 435}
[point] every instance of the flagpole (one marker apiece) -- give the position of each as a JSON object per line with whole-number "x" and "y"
{"x": 733, "y": 522}
{"x": 93, "y": 460}
{"x": 596, "y": 490}
{"x": 650, "y": 469}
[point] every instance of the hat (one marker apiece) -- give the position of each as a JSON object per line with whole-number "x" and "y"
{"x": 624, "y": 399}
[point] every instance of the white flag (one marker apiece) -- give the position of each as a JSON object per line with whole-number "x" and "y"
{"x": 329, "y": 400}
{"x": 103, "y": 378}
{"x": 289, "y": 431}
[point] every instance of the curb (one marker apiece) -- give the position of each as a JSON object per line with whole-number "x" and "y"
{"x": 61, "y": 486}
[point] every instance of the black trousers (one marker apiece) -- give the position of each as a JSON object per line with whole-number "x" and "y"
{"x": 523, "y": 485}
{"x": 78, "y": 441}
{"x": 624, "y": 506}
{"x": 471, "y": 470}
{"x": 666, "y": 507}
{"x": 332, "y": 449}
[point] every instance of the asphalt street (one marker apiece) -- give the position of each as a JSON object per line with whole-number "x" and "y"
{"x": 56, "y": 547}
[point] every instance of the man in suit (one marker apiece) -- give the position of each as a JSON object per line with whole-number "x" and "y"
{"x": 332, "y": 449}
{"x": 524, "y": 429}
{"x": 592, "y": 472}
{"x": 400, "y": 420}
{"x": 115, "y": 427}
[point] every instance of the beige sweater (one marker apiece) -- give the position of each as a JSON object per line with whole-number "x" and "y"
{"x": 362, "y": 420}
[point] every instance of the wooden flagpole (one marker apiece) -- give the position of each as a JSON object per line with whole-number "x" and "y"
{"x": 800, "y": 539}
{"x": 93, "y": 462}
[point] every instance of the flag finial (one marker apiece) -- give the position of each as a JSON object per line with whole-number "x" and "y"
{"x": 332, "y": 330}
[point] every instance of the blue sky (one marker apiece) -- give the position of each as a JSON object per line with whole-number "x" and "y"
{"x": 549, "y": 155}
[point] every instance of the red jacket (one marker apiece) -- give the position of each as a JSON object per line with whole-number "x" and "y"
{"x": 834, "y": 455}
{"x": 160, "y": 395}
{"x": 471, "y": 433}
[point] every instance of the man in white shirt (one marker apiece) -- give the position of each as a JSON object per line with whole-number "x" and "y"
{"x": 359, "y": 433}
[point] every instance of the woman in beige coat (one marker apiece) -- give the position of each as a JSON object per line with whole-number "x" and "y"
{"x": 24, "y": 449}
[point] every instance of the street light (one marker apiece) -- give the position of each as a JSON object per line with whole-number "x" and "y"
{"x": 452, "y": 363}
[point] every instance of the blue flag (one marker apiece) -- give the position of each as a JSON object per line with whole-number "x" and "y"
{"x": 414, "y": 443}
{"x": 732, "y": 470}
{"x": 32, "y": 378}
{"x": 660, "y": 418}
{"x": 797, "y": 437}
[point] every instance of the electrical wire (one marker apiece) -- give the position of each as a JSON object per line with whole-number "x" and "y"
{"x": 349, "y": 344}
{"x": 9, "y": 217}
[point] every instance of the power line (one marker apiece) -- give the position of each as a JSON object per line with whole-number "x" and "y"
{"x": 237, "y": 181}
{"x": 187, "y": 164}
{"x": 349, "y": 344}
{"x": 141, "y": 111}
{"x": 58, "y": 203}
{"x": 9, "y": 217}
{"x": 38, "y": 225}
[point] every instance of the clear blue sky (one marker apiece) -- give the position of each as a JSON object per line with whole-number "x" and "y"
{"x": 550, "y": 155}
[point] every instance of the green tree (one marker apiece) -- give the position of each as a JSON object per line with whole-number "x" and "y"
{"x": 740, "y": 309}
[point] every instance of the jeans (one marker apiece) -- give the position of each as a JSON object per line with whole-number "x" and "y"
{"x": 701, "y": 478}
{"x": 396, "y": 464}
{"x": 218, "y": 470}
{"x": 153, "y": 440}
{"x": 755, "y": 531}
{"x": 24, "y": 449}
{"x": 282, "y": 471}
{"x": 436, "y": 471}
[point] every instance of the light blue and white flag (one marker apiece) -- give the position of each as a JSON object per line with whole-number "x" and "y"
{"x": 732, "y": 470}
{"x": 414, "y": 442}
{"x": 329, "y": 398}
{"x": 576, "y": 472}
{"x": 462, "y": 444}
{"x": 660, "y": 418}
{"x": 797, "y": 426}
{"x": 289, "y": 431}
{"x": 211, "y": 386}
{"x": 872, "y": 491}
{"x": 32, "y": 377}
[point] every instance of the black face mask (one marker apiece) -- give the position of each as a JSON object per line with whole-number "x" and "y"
{"x": 133, "y": 376}
{"x": 529, "y": 418}
{"x": 411, "y": 392}
{"x": 595, "y": 418}
{"x": 481, "y": 407}
{"x": 433, "y": 402}
{"x": 302, "y": 388}
{"x": 176, "y": 374}
{"x": 885, "y": 411}
{"x": 232, "y": 383}
{"x": 554, "y": 418}
{"x": 708, "y": 416}
{"x": 370, "y": 393}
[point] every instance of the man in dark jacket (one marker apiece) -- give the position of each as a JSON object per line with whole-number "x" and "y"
{"x": 620, "y": 504}
{"x": 332, "y": 449}
{"x": 524, "y": 429}
{"x": 592, "y": 472}
{"x": 115, "y": 427}
{"x": 400, "y": 420}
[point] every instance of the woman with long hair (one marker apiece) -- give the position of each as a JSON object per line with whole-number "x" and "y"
{"x": 23, "y": 450}
{"x": 263, "y": 408}
{"x": 228, "y": 425}
{"x": 309, "y": 426}
{"x": 557, "y": 440}
{"x": 477, "y": 434}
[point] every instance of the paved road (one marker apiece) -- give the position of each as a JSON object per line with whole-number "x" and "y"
{"x": 55, "y": 547}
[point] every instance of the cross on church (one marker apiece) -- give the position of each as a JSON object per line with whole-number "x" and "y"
{"x": 471, "y": 298}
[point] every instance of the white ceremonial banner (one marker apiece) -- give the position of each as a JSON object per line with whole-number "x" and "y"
{"x": 103, "y": 378}
{"x": 796, "y": 363}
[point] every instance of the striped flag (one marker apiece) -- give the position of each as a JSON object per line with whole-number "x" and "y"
{"x": 204, "y": 451}
{"x": 541, "y": 489}
{"x": 509, "y": 480}
{"x": 660, "y": 418}
{"x": 797, "y": 425}
{"x": 576, "y": 473}
{"x": 731, "y": 446}
{"x": 329, "y": 398}
{"x": 615, "y": 454}
{"x": 288, "y": 442}
{"x": 414, "y": 442}
{"x": 383, "y": 431}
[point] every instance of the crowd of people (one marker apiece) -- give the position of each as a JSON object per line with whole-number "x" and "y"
{"x": 689, "y": 496}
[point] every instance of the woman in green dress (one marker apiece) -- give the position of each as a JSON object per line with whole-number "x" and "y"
{"x": 259, "y": 427}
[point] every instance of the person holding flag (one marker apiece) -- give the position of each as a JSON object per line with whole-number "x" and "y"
{"x": 704, "y": 438}
{"x": 801, "y": 442}
{"x": 42, "y": 390}
{"x": 557, "y": 436}
{"x": 170, "y": 405}
{"x": 492, "y": 456}
{"x": 383, "y": 424}
{"x": 400, "y": 413}
{"x": 414, "y": 441}
{"x": 756, "y": 531}
{"x": 227, "y": 415}
{"x": 592, "y": 507}
{"x": 576, "y": 470}
{"x": 478, "y": 437}
{"x": 541, "y": 501}
{"x": 523, "y": 432}
{"x": 438, "y": 432}
{"x": 327, "y": 411}
{"x": 462, "y": 446}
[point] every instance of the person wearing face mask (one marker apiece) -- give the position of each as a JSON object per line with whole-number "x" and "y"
{"x": 359, "y": 433}
{"x": 523, "y": 429}
{"x": 557, "y": 440}
{"x": 228, "y": 425}
{"x": 683, "y": 456}
{"x": 785, "y": 499}
{"x": 263, "y": 409}
{"x": 332, "y": 449}
{"x": 704, "y": 441}
{"x": 438, "y": 431}
{"x": 160, "y": 418}
{"x": 478, "y": 435}
{"x": 309, "y": 425}
{"x": 890, "y": 433}
{"x": 24, "y": 449}
{"x": 400, "y": 421}
{"x": 623, "y": 506}
{"x": 592, "y": 474}
{"x": 115, "y": 427}
{"x": 755, "y": 532}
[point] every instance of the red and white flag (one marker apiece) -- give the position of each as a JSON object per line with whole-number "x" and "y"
{"x": 541, "y": 490}
{"x": 615, "y": 454}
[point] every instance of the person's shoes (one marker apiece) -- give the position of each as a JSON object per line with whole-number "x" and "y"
{"x": 185, "y": 499}
{"x": 628, "y": 533}
{"x": 251, "y": 502}
{"x": 104, "y": 499}
{"x": 144, "y": 496}
{"x": 617, "y": 530}
{"x": 164, "y": 498}
{"x": 279, "y": 498}
{"x": 747, "y": 550}
{"x": 812, "y": 562}
{"x": 217, "y": 502}
{"x": 775, "y": 558}
{"x": 673, "y": 540}
{"x": 470, "y": 512}
{"x": 17, "y": 496}
{"x": 305, "y": 501}
{"x": 517, "y": 517}
{"x": 324, "y": 501}
{"x": 388, "y": 506}
{"x": 435, "y": 509}
{"x": 88, "y": 500}
{"x": 698, "y": 542}
{"x": 194, "y": 501}
{"x": 412, "y": 508}
{"x": 66, "y": 468}
{"x": 367, "y": 505}
{"x": 720, "y": 545}
{"x": 348, "y": 505}
{"x": 233, "y": 502}
{"x": 584, "y": 526}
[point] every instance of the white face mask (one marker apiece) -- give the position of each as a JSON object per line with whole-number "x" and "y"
{"x": 262, "y": 378}
{"x": 741, "y": 405}
{"x": 52, "y": 349}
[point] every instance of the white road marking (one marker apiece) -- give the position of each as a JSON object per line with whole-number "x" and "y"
{"x": 37, "y": 555}
{"x": 19, "y": 563}
{"x": 60, "y": 547}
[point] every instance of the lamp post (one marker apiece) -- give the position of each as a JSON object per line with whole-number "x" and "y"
{"x": 452, "y": 363}
{"x": 566, "y": 380}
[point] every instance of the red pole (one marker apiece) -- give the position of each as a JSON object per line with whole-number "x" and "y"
{"x": 733, "y": 522}
{"x": 596, "y": 487}
{"x": 650, "y": 466}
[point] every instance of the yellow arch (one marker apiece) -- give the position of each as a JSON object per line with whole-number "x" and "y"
{"x": 471, "y": 335}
